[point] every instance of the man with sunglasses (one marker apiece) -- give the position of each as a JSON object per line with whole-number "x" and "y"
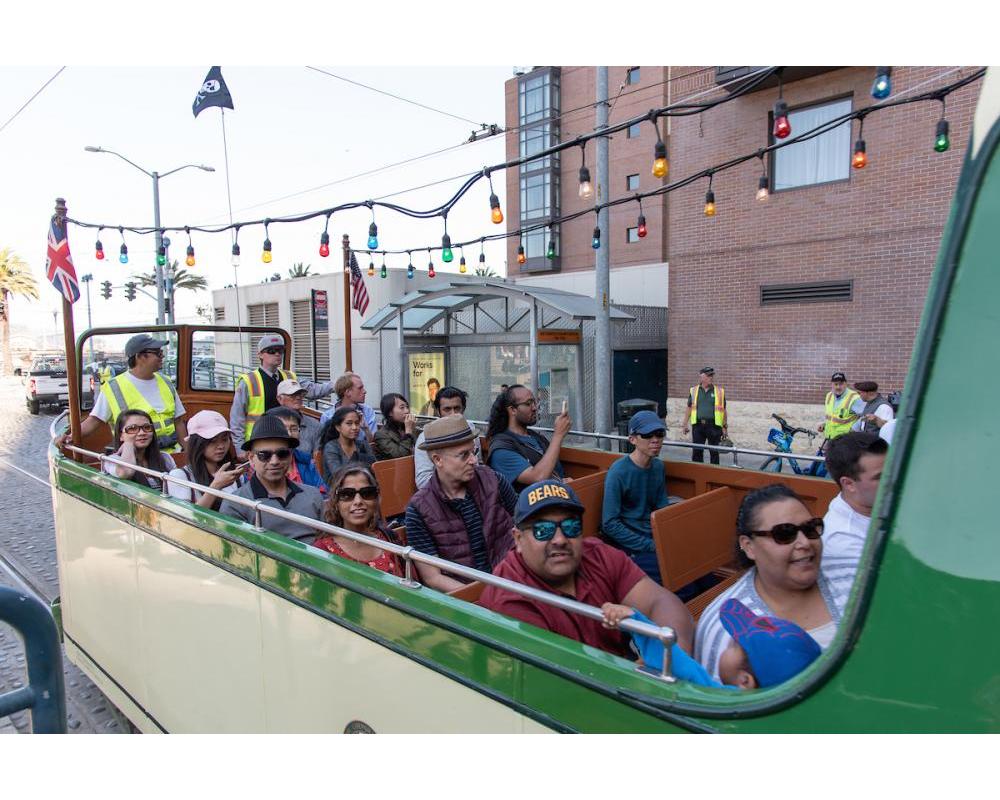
{"x": 634, "y": 488}
{"x": 142, "y": 387}
{"x": 270, "y": 448}
{"x": 551, "y": 554}
{"x": 257, "y": 391}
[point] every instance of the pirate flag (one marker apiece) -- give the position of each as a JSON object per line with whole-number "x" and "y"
{"x": 213, "y": 92}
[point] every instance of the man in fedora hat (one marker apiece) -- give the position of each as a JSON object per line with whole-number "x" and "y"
{"x": 464, "y": 512}
{"x": 270, "y": 449}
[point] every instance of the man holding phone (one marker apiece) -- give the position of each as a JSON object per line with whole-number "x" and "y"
{"x": 521, "y": 455}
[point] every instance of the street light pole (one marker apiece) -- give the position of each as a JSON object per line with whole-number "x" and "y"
{"x": 158, "y": 271}
{"x": 87, "y": 279}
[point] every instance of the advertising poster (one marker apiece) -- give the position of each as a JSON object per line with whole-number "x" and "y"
{"x": 426, "y": 377}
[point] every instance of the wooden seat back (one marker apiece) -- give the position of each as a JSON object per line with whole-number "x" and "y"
{"x": 470, "y": 593}
{"x": 396, "y": 482}
{"x": 695, "y": 537}
{"x": 590, "y": 490}
{"x": 578, "y": 463}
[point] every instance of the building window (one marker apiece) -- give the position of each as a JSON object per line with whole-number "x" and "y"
{"x": 631, "y": 235}
{"x": 633, "y": 131}
{"x": 822, "y": 159}
{"x": 632, "y": 183}
{"x": 632, "y": 76}
{"x": 538, "y": 181}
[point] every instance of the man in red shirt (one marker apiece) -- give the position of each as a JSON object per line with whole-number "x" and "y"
{"x": 551, "y": 554}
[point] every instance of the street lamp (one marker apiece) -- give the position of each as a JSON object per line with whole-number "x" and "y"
{"x": 160, "y": 305}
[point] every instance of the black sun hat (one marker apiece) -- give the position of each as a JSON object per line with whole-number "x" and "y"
{"x": 269, "y": 427}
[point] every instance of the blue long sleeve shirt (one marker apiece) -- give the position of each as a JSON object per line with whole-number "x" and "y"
{"x": 631, "y": 494}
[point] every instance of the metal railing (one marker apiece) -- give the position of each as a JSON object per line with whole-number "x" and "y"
{"x": 666, "y": 635}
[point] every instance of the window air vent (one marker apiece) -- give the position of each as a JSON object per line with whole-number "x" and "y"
{"x": 825, "y": 292}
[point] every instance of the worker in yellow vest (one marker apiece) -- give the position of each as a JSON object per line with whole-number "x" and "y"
{"x": 840, "y": 415}
{"x": 142, "y": 387}
{"x": 104, "y": 372}
{"x": 706, "y": 417}
{"x": 257, "y": 391}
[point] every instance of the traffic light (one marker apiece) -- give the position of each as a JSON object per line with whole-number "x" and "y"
{"x": 130, "y": 291}
{"x": 106, "y": 290}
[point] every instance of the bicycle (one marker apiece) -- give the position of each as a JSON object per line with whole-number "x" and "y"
{"x": 782, "y": 441}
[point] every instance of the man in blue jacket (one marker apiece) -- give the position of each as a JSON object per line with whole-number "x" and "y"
{"x": 634, "y": 488}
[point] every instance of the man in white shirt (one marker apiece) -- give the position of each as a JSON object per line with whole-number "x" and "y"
{"x": 855, "y": 462}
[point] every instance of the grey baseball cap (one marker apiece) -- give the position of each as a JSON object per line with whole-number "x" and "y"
{"x": 142, "y": 341}
{"x": 269, "y": 340}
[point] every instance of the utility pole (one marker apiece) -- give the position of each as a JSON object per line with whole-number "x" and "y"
{"x": 167, "y": 284}
{"x": 602, "y": 274}
{"x": 87, "y": 279}
{"x": 158, "y": 272}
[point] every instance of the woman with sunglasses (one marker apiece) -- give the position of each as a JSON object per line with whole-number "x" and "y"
{"x": 354, "y": 505}
{"x": 340, "y": 445}
{"x": 211, "y": 461}
{"x": 139, "y": 447}
{"x": 781, "y": 541}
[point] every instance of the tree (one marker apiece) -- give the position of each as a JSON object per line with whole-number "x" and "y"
{"x": 15, "y": 279}
{"x": 485, "y": 272}
{"x": 181, "y": 278}
{"x": 299, "y": 270}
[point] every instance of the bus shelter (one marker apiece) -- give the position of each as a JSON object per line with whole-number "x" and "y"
{"x": 481, "y": 334}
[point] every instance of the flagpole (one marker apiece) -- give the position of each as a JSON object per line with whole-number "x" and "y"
{"x": 229, "y": 199}
{"x": 69, "y": 342}
{"x": 347, "y": 304}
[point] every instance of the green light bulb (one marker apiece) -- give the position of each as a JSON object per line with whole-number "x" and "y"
{"x": 941, "y": 140}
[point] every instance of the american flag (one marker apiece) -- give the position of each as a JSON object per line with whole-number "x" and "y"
{"x": 359, "y": 294}
{"x": 59, "y": 262}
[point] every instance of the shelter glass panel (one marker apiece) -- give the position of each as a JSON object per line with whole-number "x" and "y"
{"x": 481, "y": 369}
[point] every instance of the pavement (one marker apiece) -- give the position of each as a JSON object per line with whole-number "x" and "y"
{"x": 28, "y": 560}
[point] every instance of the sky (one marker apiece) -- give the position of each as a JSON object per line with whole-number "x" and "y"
{"x": 292, "y": 129}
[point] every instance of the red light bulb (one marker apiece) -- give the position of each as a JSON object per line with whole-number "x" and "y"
{"x": 642, "y": 226}
{"x": 859, "y": 160}
{"x": 782, "y": 127}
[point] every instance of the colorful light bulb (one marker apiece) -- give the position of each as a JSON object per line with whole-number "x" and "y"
{"x": 161, "y": 255}
{"x": 595, "y": 241}
{"x": 461, "y": 265}
{"x": 385, "y": 271}
{"x": 782, "y": 127}
{"x": 371, "y": 269}
{"x": 446, "y": 255}
{"x": 709, "y": 203}
{"x": 266, "y": 255}
{"x": 324, "y": 244}
{"x": 521, "y": 258}
{"x": 660, "y": 164}
{"x": 482, "y": 262}
{"x": 762, "y": 191}
{"x": 409, "y": 271}
{"x": 859, "y": 160}
{"x": 430, "y": 269}
{"x": 882, "y": 87}
{"x": 586, "y": 188}
{"x": 642, "y": 226}
{"x": 941, "y": 140}
{"x": 550, "y": 252}
{"x": 372, "y": 236}
{"x": 236, "y": 254}
{"x": 99, "y": 250}
{"x": 123, "y": 254}
{"x": 190, "y": 256}
{"x": 495, "y": 213}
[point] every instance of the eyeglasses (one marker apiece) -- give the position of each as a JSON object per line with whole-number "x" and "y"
{"x": 346, "y": 495}
{"x": 544, "y": 530}
{"x": 787, "y": 532}
{"x": 157, "y": 353}
{"x": 145, "y": 428}
{"x": 531, "y": 402}
{"x": 282, "y": 454}
{"x": 465, "y": 455}
{"x": 660, "y": 434}
{"x": 274, "y": 351}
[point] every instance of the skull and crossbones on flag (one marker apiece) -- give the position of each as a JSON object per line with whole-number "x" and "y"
{"x": 213, "y": 92}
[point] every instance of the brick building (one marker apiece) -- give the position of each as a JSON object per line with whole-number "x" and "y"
{"x": 831, "y": 271}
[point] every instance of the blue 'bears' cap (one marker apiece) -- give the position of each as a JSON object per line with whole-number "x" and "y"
{"x": 545, "y": 494}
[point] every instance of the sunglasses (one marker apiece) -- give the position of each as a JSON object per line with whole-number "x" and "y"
{"x": 787, "y": 532}
{"x": 144, "y": 427}
{"x": 157, "y": 353}
{"x": 347, "y": 495}
{"x": 274, "y": 351}
{"x": 265, "y": 455}
{"x": 544, "y": 530}
{"x": 660, "y": 434}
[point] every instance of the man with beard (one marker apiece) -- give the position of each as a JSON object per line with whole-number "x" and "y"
{"x": 550, "y": 554}
{"x": 520, "y": 455}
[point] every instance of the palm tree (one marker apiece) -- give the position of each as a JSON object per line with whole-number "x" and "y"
{"x": 485, "y": 272}
{"x": 299, "y": 270}
{"x": 180, "y": 278}
{"x": 15, "y": 279}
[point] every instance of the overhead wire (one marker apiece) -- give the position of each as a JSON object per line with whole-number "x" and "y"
{"x": 28, "y": 102}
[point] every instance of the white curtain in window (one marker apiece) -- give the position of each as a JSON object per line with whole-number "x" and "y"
{"x": 820, "y": 159}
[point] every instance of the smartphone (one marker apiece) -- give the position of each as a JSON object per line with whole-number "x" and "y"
{"x": 565, "y": 406}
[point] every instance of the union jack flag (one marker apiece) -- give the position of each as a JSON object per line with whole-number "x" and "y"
{"x": 359, "y": 294}
{"x": 59, "y": 262}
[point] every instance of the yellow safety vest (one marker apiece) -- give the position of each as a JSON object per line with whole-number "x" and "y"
{"x": 106, "y": 374}
{"x": 839, "y": 417}
{"x": 255, "y": 395}
{"x": 720, "y": 405}
{"x": 123, "y": 395}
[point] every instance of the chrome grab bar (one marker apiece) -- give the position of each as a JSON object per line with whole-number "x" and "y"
{"x": 666, "y": 635}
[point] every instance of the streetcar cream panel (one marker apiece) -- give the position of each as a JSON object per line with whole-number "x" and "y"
{"x": 321, "y": 677}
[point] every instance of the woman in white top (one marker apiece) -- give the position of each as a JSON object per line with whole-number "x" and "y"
{"x": 211, "y": 457}
{"x": 782, "y": 541}
{"x": 139, "y": 447}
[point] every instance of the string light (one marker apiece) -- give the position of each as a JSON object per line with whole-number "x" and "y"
{"x": 371, "y": 266}
{"x": 859, "y": 159}
{"x": 495, "y": 213}
{"x": 98, "y": 247}
{"x": 941, "y": 139}
{"x": 482, "y": 258}
{"x": 190, "y": 250}
{"x": 446, "y": 255}
{"x": 660, "y": 164}
{"x": 409, "y": 267}
{"x": 373, "y": 236}
{"x": 763, "y": 191}
{"x": 385, "y": 271}
{"x": 123, "y": 253}
{"x": 710, "y": 199}
{"x": 595, "y": 241}
{"x": 461, "y": 263}
{"x": 586, "y": 189}
{"x": 236, "y": 248}
{"x": 782, "y": 127}
{"x": 521, "y": 258}
{"x": 266, "y": 255}
{"x": 324, "y": 239}
{"x": 550, "y": 252}
{"x": 642, "y": 230}
{"x": 882, "y": 87}
{"x": 430, "y": 265}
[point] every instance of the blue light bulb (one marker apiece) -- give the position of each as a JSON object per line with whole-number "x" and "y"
{"x": 123, "y": 256}
{"x": 409, "y": 271}
{"x": 596, "y": 241}
{"x": 373, "y": 236}
{"x": 882, "y": 87}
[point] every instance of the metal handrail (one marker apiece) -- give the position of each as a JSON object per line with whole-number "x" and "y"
{"x": 666, "y": 635}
